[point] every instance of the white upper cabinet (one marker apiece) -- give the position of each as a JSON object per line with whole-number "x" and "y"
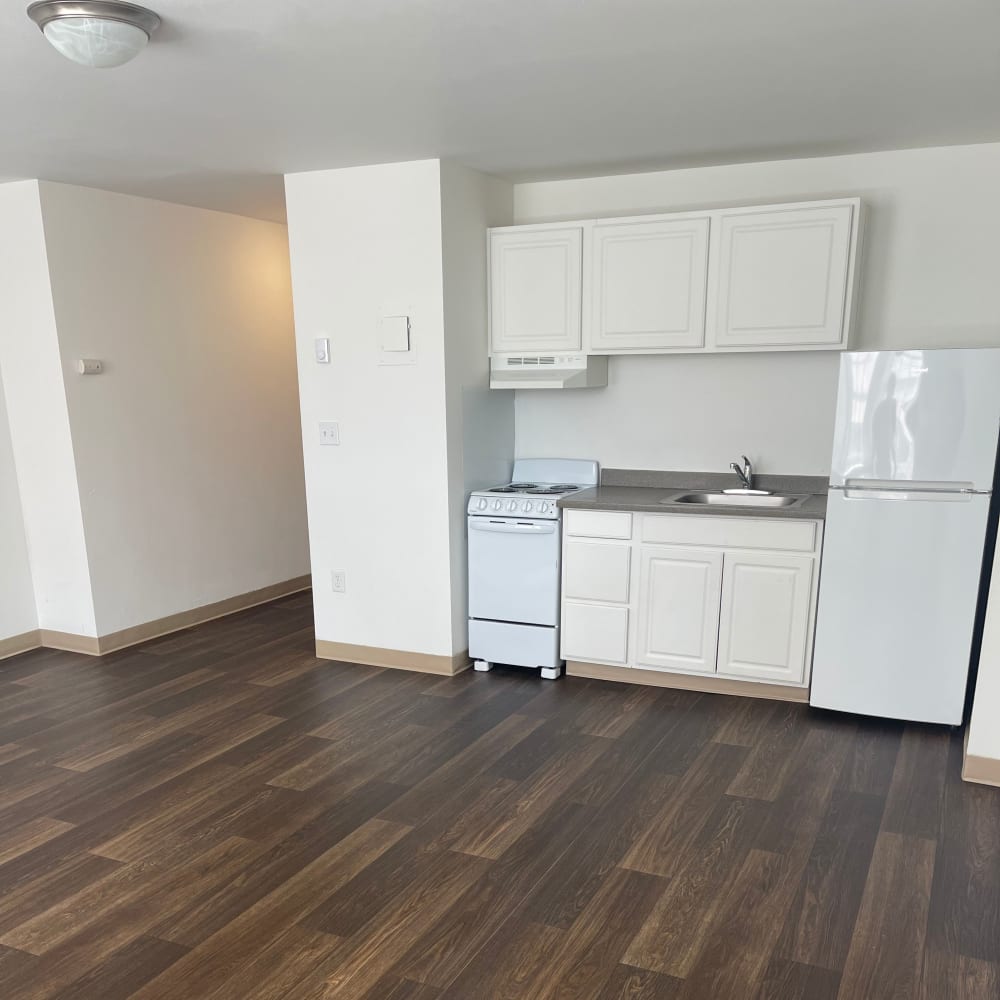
{"x": 536, "y": 289}
{"x": 772, "y": 278}
{"x": 784, "y": 277}
{"x": 649, "y": 282}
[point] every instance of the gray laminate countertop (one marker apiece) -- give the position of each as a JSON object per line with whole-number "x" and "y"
{"x": 654, "y": 492}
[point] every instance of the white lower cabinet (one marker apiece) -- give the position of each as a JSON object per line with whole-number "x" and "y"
{"x": 678, "y": 621}
{"x": 725, "y": 596}
{"x": 594, "y": 632}
{"x": 766, "y": 610}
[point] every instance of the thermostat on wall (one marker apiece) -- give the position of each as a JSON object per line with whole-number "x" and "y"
{"x": 89, "y": 366}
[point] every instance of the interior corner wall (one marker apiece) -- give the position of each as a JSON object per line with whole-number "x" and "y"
{"x": 930, "y": 269}
{"x": 17, "y": 596}
{"x": 38, "y": 417}
{"x": 480, "y": 420}
{"x": 366, "y": 243}
{"x": 186, "y": 449}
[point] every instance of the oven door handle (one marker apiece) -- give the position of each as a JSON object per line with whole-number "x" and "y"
{"x": 512, "y": 527}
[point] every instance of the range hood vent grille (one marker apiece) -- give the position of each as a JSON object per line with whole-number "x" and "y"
{"x": 547, "y": 371}
{"x": 530, "y": 361}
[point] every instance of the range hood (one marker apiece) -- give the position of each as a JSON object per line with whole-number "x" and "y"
{"x": 548, "y": 371}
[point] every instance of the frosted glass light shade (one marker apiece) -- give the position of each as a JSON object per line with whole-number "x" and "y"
{"x": 95, "y": 41}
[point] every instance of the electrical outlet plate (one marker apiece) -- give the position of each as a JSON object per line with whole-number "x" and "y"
{"x": 329, "y": 432}
{"x": 338, "y": 579}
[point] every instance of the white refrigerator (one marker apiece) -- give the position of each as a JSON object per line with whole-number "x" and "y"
{"x": 914, "y": 457}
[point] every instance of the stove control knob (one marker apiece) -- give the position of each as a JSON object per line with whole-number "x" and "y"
{"x": 496, "y": 504}
{"x": 527, "y": 506}
{"x": 483, "y": 503}
{"x": 544, "y": 509}
{"x": 512, "y": 506}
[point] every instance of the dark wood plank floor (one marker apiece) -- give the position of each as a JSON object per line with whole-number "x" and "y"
{"x": 218, "y": 814}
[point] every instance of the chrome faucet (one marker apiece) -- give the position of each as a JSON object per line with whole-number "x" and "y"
{"x": 745, "y": 474}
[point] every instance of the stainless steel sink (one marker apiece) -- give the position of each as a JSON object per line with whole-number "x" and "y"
{"x": 737, "y": 498}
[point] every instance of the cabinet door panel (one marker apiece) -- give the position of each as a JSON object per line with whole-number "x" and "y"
{"x": 596, "y": 571}
{"x": 678, "y": 619}
{"x": 536, "y": 290}
{"x": 782, "y": 277}
{"x": 650, "y": 281}
{"x": 766, "y": 610}
{"x": 594, "y": 633}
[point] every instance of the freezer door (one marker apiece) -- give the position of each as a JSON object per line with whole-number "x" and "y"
{"x": 897, "y": 601}
{"x": 931, "y": 416}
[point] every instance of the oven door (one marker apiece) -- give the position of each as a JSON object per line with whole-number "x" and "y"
{"x": 514, "y": 570}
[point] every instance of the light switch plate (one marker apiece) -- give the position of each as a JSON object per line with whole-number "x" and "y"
{"x": 322, "y": 345}
{"x": 329, "y": 432}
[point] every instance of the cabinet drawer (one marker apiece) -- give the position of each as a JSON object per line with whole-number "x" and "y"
{"x": 730, "y": 532}
{"x": 594, "y": 632}
{"x": 598, "y": 523}
{"x": 597, "y": 570}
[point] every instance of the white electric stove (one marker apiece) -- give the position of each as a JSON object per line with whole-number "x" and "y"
{"x": 515, "y": 563}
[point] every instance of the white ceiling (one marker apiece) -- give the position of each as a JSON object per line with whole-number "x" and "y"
{"x": 233, "y": 93}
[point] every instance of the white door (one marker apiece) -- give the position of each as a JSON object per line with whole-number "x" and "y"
{"x": 536, "y": 280}
{"x": 514, "y": 570}
{"x": 917, "y": 416}
{"x": 782, "y": 277}
{"x": 650, "y": 281}
{"x": 764, "y": 624}
{"x": 897, "y": 604}
{"x": 678, "y": 616}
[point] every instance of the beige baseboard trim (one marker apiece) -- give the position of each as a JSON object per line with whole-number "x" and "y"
{"x": 113, "y": 641}
{"x": 397, "y": 659}
{"x": 22, "y": 643}
{"x": 686, "y": 682}
{"x": 198, "y": 616}
{"x": 70, "y": 642}
{"x": 982, "y": 770}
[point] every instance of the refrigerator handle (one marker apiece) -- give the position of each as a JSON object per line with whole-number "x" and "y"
{"x": 957, "y": 494}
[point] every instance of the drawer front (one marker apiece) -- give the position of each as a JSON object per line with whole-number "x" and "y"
{"x": 730, "y": 532}
{"x": 594, "y": 632}
{"x": 596, "y": 570}
{"x": 598, "y": 523}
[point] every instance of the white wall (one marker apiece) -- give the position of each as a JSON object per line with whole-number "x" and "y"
{"x": 480, "y": 420}
{"x": 186, "y": 449}
{"x": 365, "y": 243}
{"x": 17, "y": 596}
{"x": 930, "y": 279}
{"x": 402, "y": 238}
{"x": 39, "y": 419}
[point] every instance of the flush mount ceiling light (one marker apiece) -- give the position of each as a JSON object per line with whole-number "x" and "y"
{"x": 98, "y": 33}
